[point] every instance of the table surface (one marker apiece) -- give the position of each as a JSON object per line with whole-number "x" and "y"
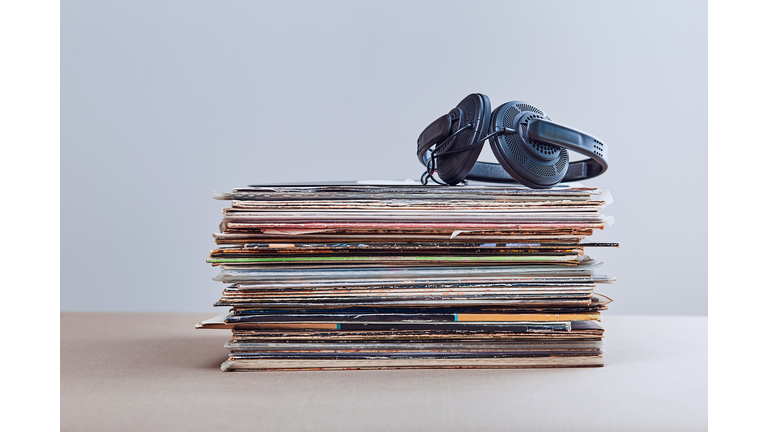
{"x": 154, "y": 371}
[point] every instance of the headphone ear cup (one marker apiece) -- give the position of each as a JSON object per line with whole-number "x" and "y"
{"x": 533, "y": 164}
{"x": 454, "y": 167}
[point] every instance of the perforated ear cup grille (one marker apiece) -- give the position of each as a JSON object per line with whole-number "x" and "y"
{"x": 542, "y": 170}
{"x": 534, "y": 164}
{"x": 531, "y": 108}
{"x": 562, "y": 163}
{"x": 544, "y": 149}
{"x": 513, "y": 142}
{"x": 453, "y": 167}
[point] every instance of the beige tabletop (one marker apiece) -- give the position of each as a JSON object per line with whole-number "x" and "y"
{"x": 145, "y": 372}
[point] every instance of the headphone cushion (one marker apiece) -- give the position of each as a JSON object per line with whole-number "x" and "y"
{"x": 454, "y": 167}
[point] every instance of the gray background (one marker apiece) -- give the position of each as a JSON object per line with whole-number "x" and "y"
{"x": 163, "y": 103}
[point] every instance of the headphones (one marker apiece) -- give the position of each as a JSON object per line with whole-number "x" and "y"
{"x": 530, "y": 147}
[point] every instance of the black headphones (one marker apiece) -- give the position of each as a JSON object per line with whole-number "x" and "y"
{"x": 530, "y": 147}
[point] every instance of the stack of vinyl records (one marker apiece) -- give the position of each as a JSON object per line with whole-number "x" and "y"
{"x": 407, "y": 276}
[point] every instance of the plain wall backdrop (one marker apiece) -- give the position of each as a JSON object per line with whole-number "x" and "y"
{"x": 165, "y": 102}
